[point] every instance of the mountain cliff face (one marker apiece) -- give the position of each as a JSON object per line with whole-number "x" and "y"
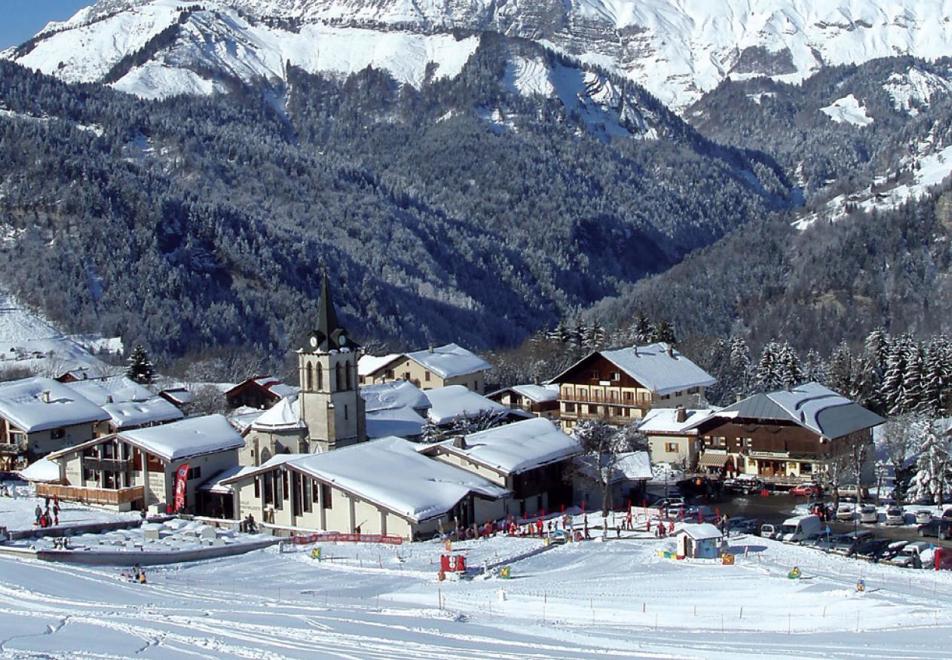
{"x": 677, "y": 49}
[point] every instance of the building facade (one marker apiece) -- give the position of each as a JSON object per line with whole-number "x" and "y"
{"x": 621, "y": 386}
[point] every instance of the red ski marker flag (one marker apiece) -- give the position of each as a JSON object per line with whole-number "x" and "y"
{"x": 181, "y": 481}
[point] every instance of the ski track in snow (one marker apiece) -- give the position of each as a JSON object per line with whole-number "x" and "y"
{"x": 382, "y": 602}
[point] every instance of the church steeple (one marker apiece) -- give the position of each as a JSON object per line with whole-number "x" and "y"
{"x": 328, "y": 335}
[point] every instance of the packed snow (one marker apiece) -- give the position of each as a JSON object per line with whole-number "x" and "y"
{"x": 18, "y": 509}
{"x": 849, "y": 110}
{"x": 618, "y": 598}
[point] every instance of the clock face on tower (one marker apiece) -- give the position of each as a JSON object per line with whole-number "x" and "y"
{"x": 342, "y": 340}
{"x": 313, "y": 342}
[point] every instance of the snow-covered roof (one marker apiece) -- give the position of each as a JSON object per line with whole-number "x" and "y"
{"x": 41, "y": 471}
{"x": 455, "y": 402}
{"x": 449, "y": 361}
{"x": 535, "y": 393}
{"x": 216, "y": 485}
{"x": 179, "y": 395}
{"x": 113, "y": 389}
{"x": 665, "y": 420}
{"x": 811, "y": 405}
{"x": 190, "y": 437}
{"x": 517, "y": 447}
{"x": 269, "y": 383}
{"x": 392, "y": 474}
{"x": 658, "y": 367}
{"x": 282, "y": 416}
{"x": 400, "y": 422}
{"x": 397, "y": 394}
{"x": 40, "y": 404}
{"x": 631, "y": 466}
{"x": 700, "y": 531}
{"x": 139, "y": 413}
{"x": 242, "y": 418}
{"x": 368, "y": 364}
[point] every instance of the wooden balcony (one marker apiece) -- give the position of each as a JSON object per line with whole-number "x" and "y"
{"x": 106, "y": 464}
{"x": 107, "y": 496}
{"x": 9, "y": 448}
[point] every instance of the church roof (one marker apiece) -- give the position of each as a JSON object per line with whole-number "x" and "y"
{"x": 329, "y": 331}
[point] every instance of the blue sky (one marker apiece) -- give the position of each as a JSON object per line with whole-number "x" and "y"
{"x": 21, "y": 19}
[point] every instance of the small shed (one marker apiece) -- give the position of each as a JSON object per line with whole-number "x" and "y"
{"x": 699, "y": 541}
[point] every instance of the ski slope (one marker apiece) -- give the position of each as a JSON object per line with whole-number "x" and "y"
{"x": 614, "y": 599}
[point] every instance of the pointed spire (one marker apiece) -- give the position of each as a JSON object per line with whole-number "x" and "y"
{"x": 328, "y": 335}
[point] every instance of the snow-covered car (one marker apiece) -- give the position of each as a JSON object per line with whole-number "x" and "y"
{"x": 846, "y": 511}
{"x": 852, "y": 490}
{"x": 868, "y": 514}
{"x": 805, "y": 490}
{"x": 893, "y": 550}
{"x": 769, "y": 531}
{"x": 894, "y": 516}
{"x": 923, "y": 517}
{"x": 911, "y": 555}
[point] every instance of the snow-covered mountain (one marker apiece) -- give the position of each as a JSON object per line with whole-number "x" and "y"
{"x": 677, "y": 49}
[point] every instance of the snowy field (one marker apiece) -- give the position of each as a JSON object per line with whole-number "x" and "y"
{"x": 614, "y": 599}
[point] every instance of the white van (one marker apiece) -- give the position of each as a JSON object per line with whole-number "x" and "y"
{"x": 801, "y": 528}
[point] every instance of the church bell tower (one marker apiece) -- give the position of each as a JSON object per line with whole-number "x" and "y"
{"x": 330, "y": 402}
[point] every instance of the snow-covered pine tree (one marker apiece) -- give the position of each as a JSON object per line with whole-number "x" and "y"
{"x": 789, "y": 370}
{"x": 577, "y": 333}
{"x": 140, "y": 369}
{"x": 890, "y": 391}
{"x": 815, "y": 368}
{"x": 932, "y": 467}
{"x": 840, "y": 373}
{"x": 767, "y": 375}
{"x": 641, "y": 330}
{"x": 664, "y": 331}
{"x": 876, "y": 348}
{"x": 430, "y": 433}
{"x": 933, "y": 381}
{"x": 740, "y": 366}
{"x": 912, "y": 392}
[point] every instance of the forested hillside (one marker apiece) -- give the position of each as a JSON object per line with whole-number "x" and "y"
{"x": 465, "y": 210}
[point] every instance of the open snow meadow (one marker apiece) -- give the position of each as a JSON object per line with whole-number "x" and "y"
{"x": 618, "y": 599}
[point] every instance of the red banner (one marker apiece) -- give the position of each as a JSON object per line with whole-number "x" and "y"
{"x": 181, "y": 481}
{"x": 335, "y": 537}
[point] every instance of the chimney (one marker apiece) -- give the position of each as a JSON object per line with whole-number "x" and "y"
{"x": 680, "y": 415}
{"x": 109, "y": 398}
{"x": 45, "y": 396}
{"x": 669, "y": 350}
{"x": 430, "y": 348}
{"x": 459, "y": 442}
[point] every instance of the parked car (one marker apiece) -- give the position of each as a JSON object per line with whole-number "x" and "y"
{"x": 911, "y": 555}
{"x": 745, "y": 526}
{"x": 852, "y": 490}
{"x": 846, "y": 511}
{"x": 872, "y": 549}
{"x": 845, "y": 543}
{"x": 669, "y": 503}
{"x": 769, "y": 531}
{"x": 893, "y": 550}
{"x": 868, "y": 514}
{"x": 894, "y": 516}
{"x": 923, "y": 517}
{"x": 940, "y": 528}
{"x": 801, "y": 528}
{"x": 744, "y": 486}
{"x": 805, "y": 490}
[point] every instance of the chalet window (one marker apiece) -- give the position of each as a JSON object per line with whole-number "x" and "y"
{"x": 616, "y": 376}
{"x": 426, "y": 376}
{"x": 628, "y": 396}
{"x": 345, "y": 413}
{"x": 315, "y": 491}
{"x": 195, "y": 472}
{"x": 284, "y": 481}
{"x": 326, "y": 499}
{"x": 257, "y": 487}
{"x": 268, "y": 479}
{"x": 671, "y": 447}
{"x": 569, "y": 407}
{"x": 389, "y": 373}
{"x": 305, "y": 499}
{"x": 154, "y": 464}
{"x": 57, "y": 434}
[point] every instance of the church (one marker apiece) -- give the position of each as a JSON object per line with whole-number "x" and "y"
{"x": 328, "y": 412}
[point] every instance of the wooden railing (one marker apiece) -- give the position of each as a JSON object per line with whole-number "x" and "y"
{"x": 91, "y": 495}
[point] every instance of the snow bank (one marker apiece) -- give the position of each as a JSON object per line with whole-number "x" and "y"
{"x": 849, "y": 110}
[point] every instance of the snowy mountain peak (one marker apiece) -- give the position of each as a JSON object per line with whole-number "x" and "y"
{"x": 677, "y": 49}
